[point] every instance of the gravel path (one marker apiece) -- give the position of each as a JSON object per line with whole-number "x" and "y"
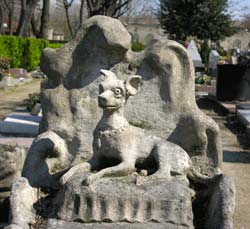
{"x": 12, "y": 97}
{"x": 236, "y": 163}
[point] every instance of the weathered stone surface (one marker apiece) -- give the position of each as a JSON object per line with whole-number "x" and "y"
{"x": 121, "y": 200}
{"x": 55, "y": 224}
{"x": 165, "y": 105}
{"x": 11, "y": 162}
{"x": 47, "y": 157}
{"x": 126, "y": 145}
{"x": 36, "y": 109}
{"x": 23, "y": 196}
{"x": 221, "y": 205}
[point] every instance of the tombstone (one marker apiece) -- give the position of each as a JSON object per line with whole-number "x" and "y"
{"x": 7, "y": 81}
{"x": 37, "y": 73}
{"x": 214, "y": 58}
{"x": 195, "y": 55}
{"x": 228, "y": 83}
{"x": 18, "y": 72}
{"x": 16, "y": 125}
{"x": 164, "y": 109}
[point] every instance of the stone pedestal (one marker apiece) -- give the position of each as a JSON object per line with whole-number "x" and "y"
{"x": 55, "y": 224}
{"x": 117, "y": 200}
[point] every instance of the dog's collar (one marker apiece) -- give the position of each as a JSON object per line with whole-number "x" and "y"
{"x": 113, "y": 132}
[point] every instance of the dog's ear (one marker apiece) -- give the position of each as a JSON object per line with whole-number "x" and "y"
{"x": 133, "y": 84}
{"x": 108, "y": 74}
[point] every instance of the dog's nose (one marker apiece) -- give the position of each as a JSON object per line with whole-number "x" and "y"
{"x": 101, "y": 100}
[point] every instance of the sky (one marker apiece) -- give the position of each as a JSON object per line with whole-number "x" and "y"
{"x": 239, "y": 8}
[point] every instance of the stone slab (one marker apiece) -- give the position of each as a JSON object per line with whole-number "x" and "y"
{"x": 24, "y": 129}
{"x": 55, "y": 224}
{"x": 11, "y": 82}
{"x": 200, "y": 94}
{"x": 3, "y": 225}
{"x": 21, "y": 141}
{"x": 228, "y": 106}
{"x": 248, "y": 132}
{"x": 20, "y": 122}
{"x": 205, "y": 88}
{"x": 243, "y": 116}
{"x": 29, "y": 119}
{"x": 243, "y": 106}
{"x": 22, "y": 109}
{"x": 121, "y": 200}
{"x": 18, "y": 72}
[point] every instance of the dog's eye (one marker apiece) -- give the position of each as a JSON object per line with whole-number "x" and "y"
{"x": 117, "y": 91}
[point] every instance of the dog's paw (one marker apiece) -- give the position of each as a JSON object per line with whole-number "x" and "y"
{"x": 144, "y": 172}
{"x": 141, "y": 180}
{"x": 65, "y": 178}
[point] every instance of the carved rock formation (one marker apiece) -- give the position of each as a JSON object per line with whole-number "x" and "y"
{"x": 120, "y": 200}
{"x": 165, "y": 106}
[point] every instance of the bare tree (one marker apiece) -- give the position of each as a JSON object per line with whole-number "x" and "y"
{"x": 112, "y": 8}
{"x": 246, "y": 21}
{"x": 41, "y": 24}
{"x": 1, "y": 16}
{"x": 81, "y": 12}
{"x": 74, "y": 18}
{"x": 44, "y": 27}
{"x": 140, "y": 9}
{"x": 67, "y": 4}
{"x": 27, "y": 10}
{"x": 7, "y": 11}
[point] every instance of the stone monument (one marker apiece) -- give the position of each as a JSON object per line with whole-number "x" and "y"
{"x": 195, "y": 55}
{"x": 214, "y": 58}
{"x": 153, "y": 164}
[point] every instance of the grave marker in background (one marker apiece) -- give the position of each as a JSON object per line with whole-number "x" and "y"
{"x": 214, "y": 58}
{"x": 195, "y": 55}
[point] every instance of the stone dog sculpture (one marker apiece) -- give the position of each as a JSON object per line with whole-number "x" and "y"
{"x": 115, "y": 139}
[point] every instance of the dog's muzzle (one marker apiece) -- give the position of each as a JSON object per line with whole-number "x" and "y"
{"x": 102, "y": 102}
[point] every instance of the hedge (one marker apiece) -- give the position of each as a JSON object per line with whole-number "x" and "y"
{"x": 24, "y": 52}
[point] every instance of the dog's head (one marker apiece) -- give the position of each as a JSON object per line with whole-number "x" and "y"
{"x": 113, "y": 93}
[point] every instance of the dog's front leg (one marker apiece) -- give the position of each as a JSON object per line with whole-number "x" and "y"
{"x": 124, "y": 168}
{"x": 84, "y": 167}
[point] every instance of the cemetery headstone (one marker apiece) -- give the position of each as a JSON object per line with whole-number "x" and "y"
{"x": 229, "y": 78}
{"x": 214, "y": 58}
{"x": 194, "y": 54}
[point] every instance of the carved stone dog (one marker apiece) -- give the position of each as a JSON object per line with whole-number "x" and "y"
{"x": 116, "y": 140}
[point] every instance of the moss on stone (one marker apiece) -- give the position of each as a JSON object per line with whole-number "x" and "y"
{"x": 141, "y": 124}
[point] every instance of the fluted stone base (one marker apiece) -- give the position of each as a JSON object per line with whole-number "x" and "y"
{"x": 55, "y": 224}
{"x": 120, "y": 200}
